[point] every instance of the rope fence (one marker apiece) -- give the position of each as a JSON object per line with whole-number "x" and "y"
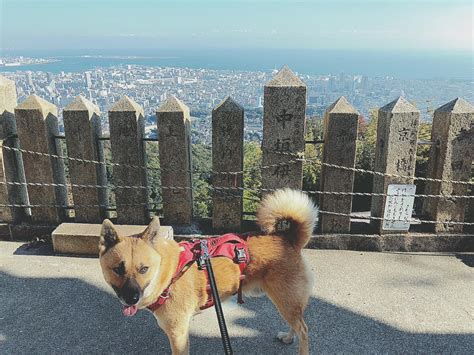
{"x": 298, "y": 157}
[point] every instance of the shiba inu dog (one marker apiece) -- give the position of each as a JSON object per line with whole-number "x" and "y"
{"x": 140, "y": 267}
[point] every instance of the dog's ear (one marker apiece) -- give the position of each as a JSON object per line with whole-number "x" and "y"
{"x": 151, "y": 234}
{"x": 108, "y": 236}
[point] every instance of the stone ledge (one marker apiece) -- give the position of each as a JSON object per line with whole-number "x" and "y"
{"x": 413, "y": 242}
{"x": 83, "y": 239}
{"x": 25, "y": 232}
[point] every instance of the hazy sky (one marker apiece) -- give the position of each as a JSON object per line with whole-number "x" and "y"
{"x": 334, "y": 24}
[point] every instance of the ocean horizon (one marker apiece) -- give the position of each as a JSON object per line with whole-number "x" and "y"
{"x": 399, "y": 64}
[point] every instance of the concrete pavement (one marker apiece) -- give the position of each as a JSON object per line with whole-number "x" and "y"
{"x": 363, "y": 303}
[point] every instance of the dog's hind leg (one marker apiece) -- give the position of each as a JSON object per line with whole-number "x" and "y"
{"x": 290, "y": 298}
{"x": 292, "y": 312}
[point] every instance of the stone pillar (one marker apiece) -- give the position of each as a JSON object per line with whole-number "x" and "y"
{"x": 11, "y": 163}
{"x": 340, "y": 136}
{"x": 395, "y": 151}
{"x": 450, "y": 159}
{"x": 283, "y": 130}
{"x": 175, "y": 158}
{"x": 37, "y": 125}
{"x": 83, "y": 129}
{"x": 227, "y": 155}
{"x": 127, "y": 129}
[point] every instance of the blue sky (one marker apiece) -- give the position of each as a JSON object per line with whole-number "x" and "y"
{"x": 329, "y": 24}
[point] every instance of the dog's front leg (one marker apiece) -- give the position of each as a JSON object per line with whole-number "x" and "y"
{"x": 177, "y": 331}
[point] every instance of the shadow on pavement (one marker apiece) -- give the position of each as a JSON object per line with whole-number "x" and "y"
{"x": 48, "y": 315}
{"x": 467, "y": 259}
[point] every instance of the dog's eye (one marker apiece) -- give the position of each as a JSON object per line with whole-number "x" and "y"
{"x": 119, "y": 270}
{"x": 143, "y": 269}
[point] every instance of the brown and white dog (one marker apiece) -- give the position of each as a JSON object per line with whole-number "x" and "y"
{"x": 140, "y": 267}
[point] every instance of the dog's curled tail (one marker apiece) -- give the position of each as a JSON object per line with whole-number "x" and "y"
{"x": 289, "y": 213}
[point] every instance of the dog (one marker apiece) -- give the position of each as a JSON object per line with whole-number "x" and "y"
{"x": 140, "y": 267}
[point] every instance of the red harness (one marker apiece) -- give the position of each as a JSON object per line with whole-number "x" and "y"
{"x": 232, "y": 246}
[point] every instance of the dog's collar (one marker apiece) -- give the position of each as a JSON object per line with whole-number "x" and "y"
{"x": 161, "y": 299}
{"x": 183, "y": 266}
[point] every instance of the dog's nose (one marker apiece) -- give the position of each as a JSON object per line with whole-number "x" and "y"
{"x": 132, "y": 298}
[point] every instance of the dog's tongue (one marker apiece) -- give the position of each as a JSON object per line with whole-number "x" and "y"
{"x": 129, "y": 311}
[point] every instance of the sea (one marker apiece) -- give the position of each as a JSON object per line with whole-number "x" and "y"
{"x": 373, "y": 63}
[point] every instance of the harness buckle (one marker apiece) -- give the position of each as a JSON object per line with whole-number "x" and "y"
{"x": 240, "y": 254}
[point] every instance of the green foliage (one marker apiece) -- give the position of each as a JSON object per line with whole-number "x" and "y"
{"x": 252, "y": 175}
{"x": 313, "y": 153}
{"x": 202, "y": 180}
{"x": 154, "y": 176}
{"x": 365, "y": 157}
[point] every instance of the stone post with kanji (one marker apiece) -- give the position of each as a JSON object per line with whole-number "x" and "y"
{"x": 395, "y": 152}
{"x": 227, "y": 164}
{"x": 83, "y": 129}
{"x": 37, "y": 126}
{"x": 127, "y": 130}
{"x": 450, "y": 160}
{"x": 340, "y": 138}
{"x": 174, "y": 139}
{"x": 283, "y": 142}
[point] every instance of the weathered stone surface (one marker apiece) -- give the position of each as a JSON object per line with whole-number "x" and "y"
{"x": 37, "y": 124}
{"x": 451, "y": 159}
{"x": 174, "y": 131}
{"x": 127, "y": 129}
{"x": 399, "y": 242}
{"x": 227, "y": 156}
{"x": 82, "y": 128}
{"x": 7, "y": 103}
{"x": 79, "y": 238}
{"x": 395, "y": 153}
{"x": 12, "y": 163}
{"x": 340, "y": 136}
{"x": 283, "y": 130}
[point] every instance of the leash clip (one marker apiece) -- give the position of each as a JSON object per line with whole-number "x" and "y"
{"x": 204, "y": 255}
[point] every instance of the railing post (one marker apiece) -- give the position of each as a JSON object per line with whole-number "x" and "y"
{"x": 175, "y": 159}
{"x": 395, "y": 151}
{"x": 82, "y": 128}
{"x": 127, "y": 129}
{"x": 340, "y": 136}
{"x": 283, "y": 130}
{"x": 450, "y": 159}
{"x": 11, "y": 164}
{"x": 37, "y": 125}
{"x": 227, "y": 156}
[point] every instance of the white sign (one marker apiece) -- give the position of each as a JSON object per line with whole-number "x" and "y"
{"x": 398, "y": 207}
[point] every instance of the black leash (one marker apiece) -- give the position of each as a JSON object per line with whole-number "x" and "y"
{"x": 217, "y": 301}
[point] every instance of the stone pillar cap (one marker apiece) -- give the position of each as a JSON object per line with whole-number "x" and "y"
{"x": 34, "y": 102}
{"x": 126, "y": 104}
{"x": 458, "y": 105}
{"x": 80, "y": 103}
{"x": 341, "y": 105}
{"x": 228, "y": 104}
{"x": 5, "y": 81}
{"x": 399, "y": 105}
{"x": 285, "y": 77}
{"x": 173, "y": 104}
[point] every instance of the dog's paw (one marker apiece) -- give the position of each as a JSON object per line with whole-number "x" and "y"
{"x": 285, "y": 337}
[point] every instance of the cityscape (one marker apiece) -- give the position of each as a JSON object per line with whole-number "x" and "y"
{"x": 203, "y": 89}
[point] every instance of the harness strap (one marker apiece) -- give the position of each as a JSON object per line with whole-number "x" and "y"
{"x": 229, "y": 245}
